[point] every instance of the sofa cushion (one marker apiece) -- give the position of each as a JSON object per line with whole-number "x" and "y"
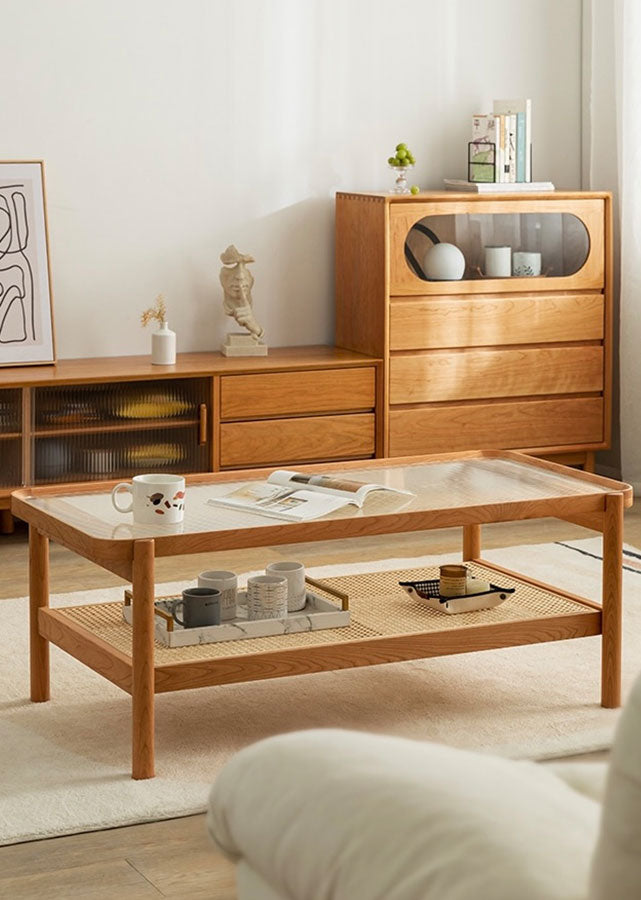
{"x": 340, "y": 815}
{"x": 617, "y": 860}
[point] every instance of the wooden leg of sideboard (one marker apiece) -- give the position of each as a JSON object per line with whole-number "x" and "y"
{"x": 471, "y": 542}
{"x": 143, "y": 661}
{"x": 612, "y": 601}
{"x": 588, "y": 465}
{"x": 38, "y": 598}
{"x": 7, "y": 523}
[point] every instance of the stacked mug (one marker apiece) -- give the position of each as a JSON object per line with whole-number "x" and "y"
{"x": 279, "y": 591}
{"x": 294, "y": 572}
{"x": 266, "y": 597}
{"x": 227, "y": 584}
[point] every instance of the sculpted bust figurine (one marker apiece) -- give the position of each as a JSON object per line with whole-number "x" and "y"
{"x": 237, "y": 282}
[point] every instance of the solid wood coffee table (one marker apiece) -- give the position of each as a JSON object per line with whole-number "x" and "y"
{"x": 466, "y": 489}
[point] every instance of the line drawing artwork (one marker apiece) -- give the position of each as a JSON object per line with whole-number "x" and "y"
{"x": 17, "y": 301}
{"x": 26, "y": 304}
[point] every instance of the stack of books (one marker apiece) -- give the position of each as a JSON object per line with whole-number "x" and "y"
{"x": 493, "y": 187}
{"x": 500, "y": 157}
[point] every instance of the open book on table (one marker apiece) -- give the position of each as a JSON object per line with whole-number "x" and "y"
{"x": 297, "y": 497}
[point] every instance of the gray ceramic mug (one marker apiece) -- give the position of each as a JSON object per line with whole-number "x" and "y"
{"x": 201, "y": 607}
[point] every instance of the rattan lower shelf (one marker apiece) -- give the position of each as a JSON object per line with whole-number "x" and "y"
{"x": 380, "y": 610}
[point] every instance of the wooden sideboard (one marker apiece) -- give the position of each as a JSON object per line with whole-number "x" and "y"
{"x": 516, "y": 362}
{"x": 421, "y": 366}
{"x": 94, "y": 419}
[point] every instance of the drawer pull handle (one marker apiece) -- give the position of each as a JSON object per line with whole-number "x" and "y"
{"x": 202, "y": 424}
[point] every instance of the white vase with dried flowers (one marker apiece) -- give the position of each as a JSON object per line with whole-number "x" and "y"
{"x": 163, "y": 341}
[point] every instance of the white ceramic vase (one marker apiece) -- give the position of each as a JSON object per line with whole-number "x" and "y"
{"x": 498, "y": 262}
{"x": 444, "y": 262}
{"x": 525, "y": 263}
{"x": 163, "y": 346}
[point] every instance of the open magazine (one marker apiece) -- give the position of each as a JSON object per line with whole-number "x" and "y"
{"x": 297, "y": 497}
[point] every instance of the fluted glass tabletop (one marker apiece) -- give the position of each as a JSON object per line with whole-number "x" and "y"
{"x": 448, "y": 484}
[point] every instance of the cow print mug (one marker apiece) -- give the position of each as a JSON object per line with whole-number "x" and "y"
{"x": 155, "y": 499}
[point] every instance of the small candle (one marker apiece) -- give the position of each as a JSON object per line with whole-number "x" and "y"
{"x": 452, "y": 581}
{"x": 476, "y": 586}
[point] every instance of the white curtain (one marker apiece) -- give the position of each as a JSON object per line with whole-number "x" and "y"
{"x": 612, "y": 160}
{"x": 628, "y": 67}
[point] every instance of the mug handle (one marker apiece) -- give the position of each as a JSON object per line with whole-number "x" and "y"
{"x": 174, "y": 603}
{"x": 127, "y": 487}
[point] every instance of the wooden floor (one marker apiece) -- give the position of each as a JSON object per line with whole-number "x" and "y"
{"x": 174, "y": 858}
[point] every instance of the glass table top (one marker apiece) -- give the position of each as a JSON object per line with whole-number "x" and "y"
{"x": 437, "y": 485}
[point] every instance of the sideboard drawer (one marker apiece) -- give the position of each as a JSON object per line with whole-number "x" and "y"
{"x": 436, "y": 376}
{"x": 306, "y": 439}
{"x": 527, "y": 424}
{"x": 440, "y": 322}
{"x": 296, "y": 393}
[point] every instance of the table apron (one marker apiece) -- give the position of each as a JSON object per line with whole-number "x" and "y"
{"x": 373, "y": 651}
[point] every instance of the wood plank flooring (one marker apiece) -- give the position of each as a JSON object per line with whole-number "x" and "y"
{"x": 174, "y": 858}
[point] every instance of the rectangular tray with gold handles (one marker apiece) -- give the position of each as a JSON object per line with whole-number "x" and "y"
{"x": 321, "y": 611}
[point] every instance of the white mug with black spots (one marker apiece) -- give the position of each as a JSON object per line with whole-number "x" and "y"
{"x": 155, "y": 499}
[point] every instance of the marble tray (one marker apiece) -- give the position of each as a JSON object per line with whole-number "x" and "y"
{"x": 318, "y": 613}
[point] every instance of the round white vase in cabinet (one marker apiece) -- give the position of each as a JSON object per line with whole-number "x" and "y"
{"x": 444, "y": 262}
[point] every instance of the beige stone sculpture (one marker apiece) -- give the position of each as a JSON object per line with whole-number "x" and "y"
{"x": 237, "y": 282}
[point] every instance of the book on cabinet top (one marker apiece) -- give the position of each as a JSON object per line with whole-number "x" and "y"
{"x": 489, "y": 187}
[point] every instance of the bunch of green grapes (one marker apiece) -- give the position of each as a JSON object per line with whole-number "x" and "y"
{"x": 403, "y": 157}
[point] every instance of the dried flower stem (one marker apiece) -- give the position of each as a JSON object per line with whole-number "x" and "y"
{"x": 157, "y": 312}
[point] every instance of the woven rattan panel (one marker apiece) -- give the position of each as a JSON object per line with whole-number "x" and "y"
{"x": 379, "y": 607}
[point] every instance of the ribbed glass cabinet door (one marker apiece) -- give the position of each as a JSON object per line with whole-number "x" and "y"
{"x": 98, "y": 431}
{"x": 11, "y": 437}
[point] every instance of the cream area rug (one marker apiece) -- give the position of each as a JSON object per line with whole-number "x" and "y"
{"x": 65, "y": 764}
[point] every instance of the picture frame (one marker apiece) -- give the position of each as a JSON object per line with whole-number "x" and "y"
{"x": 481, "y": 161}
{"x": 26, "y": 302}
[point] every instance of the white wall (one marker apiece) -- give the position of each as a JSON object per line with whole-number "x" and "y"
{"x": 171, "y": 128}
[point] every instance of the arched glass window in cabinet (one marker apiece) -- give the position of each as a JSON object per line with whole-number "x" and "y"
{"x": 503, "y": 245}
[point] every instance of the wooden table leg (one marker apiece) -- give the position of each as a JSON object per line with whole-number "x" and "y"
{"x": 612, "y": 597}
{"x": 38, "y": 597}
{"x": 7, "y": 524}
{"x": 143, "y": 661}
{"x": 471, "y": 542}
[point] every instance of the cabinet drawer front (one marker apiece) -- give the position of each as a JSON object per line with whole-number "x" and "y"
{"x": 490, "y": 426}
{"x": 295, "y": 393}
{"x": 441, "y": 322}
{"x": 479, "y": 374}
{"x": 279, "y": 441}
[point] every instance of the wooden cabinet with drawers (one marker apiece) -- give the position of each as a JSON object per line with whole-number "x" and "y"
{"x": 522, "y": 361}
{"x": 87, "y": 420}
{"x": 302, "y": 416}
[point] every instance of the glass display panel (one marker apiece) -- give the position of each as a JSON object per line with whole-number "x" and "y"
{"x": 10, "y": 410}
{"x": 10, "y": 462}
{"x": 501, "y": 245}
{"x": 115, "y": 454}
{"x": 10, "y": 437}
{"x": 118, "y": 403}
{"x": 94, "y": 431}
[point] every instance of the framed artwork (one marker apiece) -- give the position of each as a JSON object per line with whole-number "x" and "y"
{"x": 26, "y": 315}
{"x": 481, "y": 161}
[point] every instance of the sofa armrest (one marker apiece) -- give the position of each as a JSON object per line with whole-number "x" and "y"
{"x": 337, "y": 815}
{"x": 587, "y": 778}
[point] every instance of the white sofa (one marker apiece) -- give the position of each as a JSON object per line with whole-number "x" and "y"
{"x": 340, "y": 815}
